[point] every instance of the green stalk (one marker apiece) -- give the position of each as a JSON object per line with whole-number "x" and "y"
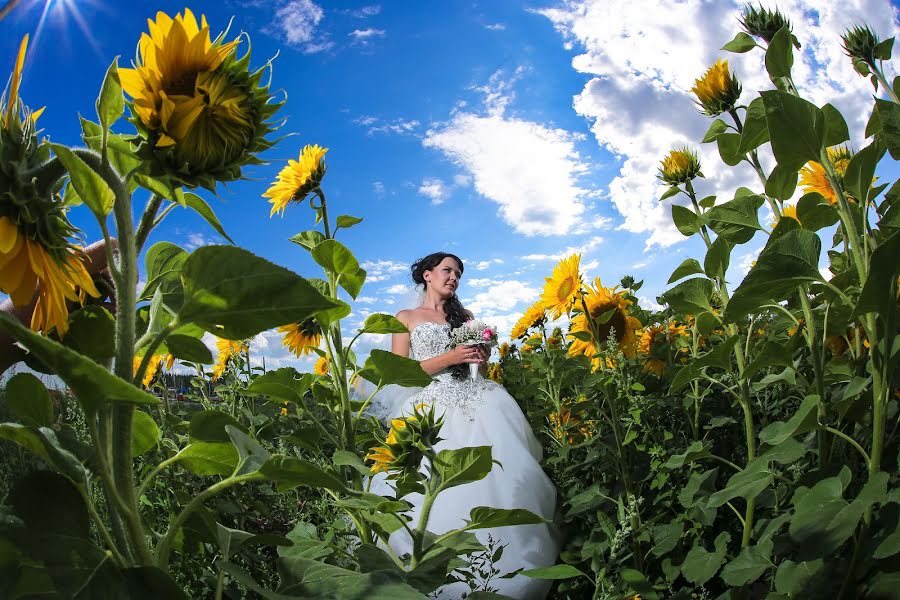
{"x": 879, "y": 75}
{"x": 423, "y": 524}
{"x": 819, "y": 368}
{"x": 148, "y": 220}
{"x": 754, "y": 162}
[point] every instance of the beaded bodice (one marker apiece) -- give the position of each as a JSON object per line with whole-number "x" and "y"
{"x": 428, "y": 340}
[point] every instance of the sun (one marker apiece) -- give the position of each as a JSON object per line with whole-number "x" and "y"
{"x": 58, "y": 13}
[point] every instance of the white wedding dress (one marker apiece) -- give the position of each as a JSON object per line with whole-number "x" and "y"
{"x": 480, "y": 413}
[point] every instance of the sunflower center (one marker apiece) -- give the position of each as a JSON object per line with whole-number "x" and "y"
{"x": 565, "y": 288}
{"x": 183, "y": 85}
{"x": 615, "y": 325}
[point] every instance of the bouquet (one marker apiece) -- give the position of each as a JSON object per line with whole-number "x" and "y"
{"x": 473, "y": 333}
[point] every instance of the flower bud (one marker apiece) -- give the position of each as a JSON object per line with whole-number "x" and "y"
{"x": 679, "y": 167}
{"x": 717, "y": 90}
{"x": 764, "y": 24}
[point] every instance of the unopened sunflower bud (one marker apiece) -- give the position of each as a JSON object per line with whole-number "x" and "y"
{"x": 764, "y": 24}
{"x": 717, "y": 90}
{"x": 859, "y": 44}
{"x": 679, "y": 167}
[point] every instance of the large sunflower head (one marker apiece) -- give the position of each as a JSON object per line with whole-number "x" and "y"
{"x": 679, "y": 166}
{"x": 717, "y": 90}
{"x": 534, "y": 316}
{"x": 35, "y": 252}
{"x": 814, "y": 177}
{"x": 562, "y": 288}
{"x": 298, "y": 179}
{"x": 201, "y": 112}
{"x": 607, "y": 318}
{"x": 301, "y": 338}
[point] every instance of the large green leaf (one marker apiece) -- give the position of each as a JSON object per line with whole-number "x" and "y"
{"x": 29, "y": 400}
{"x": 383, "y": 368}
{"x": 719, "y": 357}
{"x": 696, "y": 451}
{"x": 717, "y": 258}
{"x": 736, "y": 220}
{"x": 308, "y": 239}
{"x": 44, "y": 444}
{"x": 686, "y": 220}
{"x": 690, "y": 266}
{"x": 781, "y": 183}
{"x": 251, "y": 454}
{"x": 690, "y": 297}
{"x": 803, "y": 420}
{"x": 755, "y": 132}
{"x": 780, "y": 54}
{"x": 836, "y": 131}
{"x": 485, "y": 517}
{"x": 700, "y": 565}
{"x": 815, "y": 212}
{"x": 562, "y": 571}
{"x": 666, "y": 537}
{"x": 283, "y": 384}
{"x": 92, "y": 384}
{"x": 889, "y": 118}
{"x": 209, "y": 426}
{"x": 305, "y": 578}
{"x": 235, "y": 294}
{"x": 879, "y": 292}
{"x": 111, "y": 102}
{"x": 383, "y": 323}
{"x": 91, "y": 187}
{"x": 749, "y": 564}
{"x": 337, "y": 258}
{"x": 772, "y": 354}
{"x": 463, "y": 465}
{"x": 199, "y": 205}
{"x": 290, "y": 472}
{"x": 792, "y": 578}
{"x": 50, "y": 504}
{"x": 209, "y": 458}
{"x": 741, "y": 43}
{"x": 782, "y": 266}
{"x": 145, "y": 432}
{"x": 163, "y": 263}
{"x": 796, "y": 128}
{"x": 188, "y": 348}
{"x": 729, "y": 145}
{"x": 860, "y": 172}
{"x": 92, "y": 333}
{"x": 746, "y": 483}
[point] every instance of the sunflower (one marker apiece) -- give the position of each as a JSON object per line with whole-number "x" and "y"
{"x": 561, "y": 289}
{"x": 612, "y": 306}
{"x": 652, "y": 340}
{"x": 321, "y": 366}
{"x": 533, "y": 316}
{"x": 383, "y": 457}
{"x": 788, "y": 211}
{"x": 200, "y": 111}
{"x": 35, "y": 254}
{"x": 679, "y": 166}
{"x": 814, "y": 178}
{"x": 298, "y": 179}
{"x": 495, "y": 373}
{"x": 152, "y": 368}
{"x": 504, "y": 350}
{"x": 717, "y": 90}
{"x": 301, "y": 338}
{"x": 284, "y": 411}
{"x": 227, "y": 349}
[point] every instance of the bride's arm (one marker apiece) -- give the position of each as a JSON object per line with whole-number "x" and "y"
{"x": 460, "y": 354}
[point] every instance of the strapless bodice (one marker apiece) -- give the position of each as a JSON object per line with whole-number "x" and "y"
{"x": 428, "y": 340}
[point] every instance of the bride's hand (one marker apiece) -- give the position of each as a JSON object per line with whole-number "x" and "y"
{"x": 463, "y": 354}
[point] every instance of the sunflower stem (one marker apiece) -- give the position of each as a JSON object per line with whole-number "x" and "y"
{"x": 148, "y": 222}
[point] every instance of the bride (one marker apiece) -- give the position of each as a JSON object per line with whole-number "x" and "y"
{"x": 479, "y": 413}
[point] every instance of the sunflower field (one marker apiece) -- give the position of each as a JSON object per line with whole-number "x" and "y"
{"x": 737, "y": 441}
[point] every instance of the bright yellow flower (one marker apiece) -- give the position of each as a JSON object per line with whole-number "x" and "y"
{"x": 301, "y": 338}
{"x": 321, "y": 366}
{"x": 504, "y": 350}
{"x": 534, "y": 314}
{"x": 601, "y": 300}
{"x": 298, "y": 179}
{"x": 169, "y": 360}
{"x": 717, "y": 90}
{"x": 152, "y": 368}
{"x": 561, "y": 289}
{"x": 284, "y": 412}
{"x": 679, "y": 166}
{"x": 814, "y": 178}
{"x": 397, "y": 425}
{"x": 382, "y": 456}
{"x": 227, "y": 349}
{"x": 495, "y": 373}
{"x": 788, "y": 211}
{"x": 654, "y": 336}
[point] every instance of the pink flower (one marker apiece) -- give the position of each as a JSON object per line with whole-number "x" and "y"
{"x": 487, "y": 334}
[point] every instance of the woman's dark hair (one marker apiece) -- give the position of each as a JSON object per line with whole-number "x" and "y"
{"x": 453, "y": 308}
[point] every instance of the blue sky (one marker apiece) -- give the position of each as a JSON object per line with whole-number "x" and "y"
{"x": 509, "y": 133}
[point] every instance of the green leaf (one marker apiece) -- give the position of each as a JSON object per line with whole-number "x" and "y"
{"x": 782, "y": 266}
{"x": 291, "y": 472}
{"x": 717, "y": 128}
{"x": 717, "y": 258}
{"x": 741, "y": 43}
{"x": 235, "y": 294}
{"x": 163, "y": 262}
{"x": 797, "y": 129}
{"x": 199, "y": 205}
{"x": 308, "y": 239}
{"x": 746, "y": 483}
{"x": 252, "y": 456}
{"x": 836, "y": 131}
{"x": 638, "y": 583}
{"x": 756, "y": 131}
{"x": 889, "y": 546}
{"x": 111, "y": 102}
{"x": 484, "y": 517}
{"x": 92, "y": 384}
{"x": 50, "y": 504}
{"x": 29, "y": 400}
{"x": 879, "y": 291}
{"x": 690, "y": 266}
{"x": 686, "y": 220}
{"x": 346, "y": 222}
{"x": 672, "y": 191}
{"x": 306, "y": 578}
{"x": 749, "y": 565}
{"x": 793, "y": 578}
{"x": 736, "y": 220}
{"x": 561, "y": 571}
{"x": 160, "y": 187}
{"x": 690, "y": 297}
{"x": 145, "y": 432}
{"x": 822, "y": 518}
{"x": 696, "y": 451}
{"x": 345, "y": 458}
{"x": 666, "y": 537}
{"x": 44, "y": 444}
{"x": 888, "y": 114}
{"x": 803, "y": 420}
{"x": 463, "y": 465}
{"x": 383, "y": 323}
{"x": 860, "y": 172}
{"x": 700, "y": 565}
{"x": 772, "y": 354}
{"x": 283, "y": 384}
{"x": 188, "y": 348}
{"x": 719, "y": 357}
{"x": 91, "y": 333}
{"x": 815, "y": 212}
{"x": 729, "y": 145}
{"x": 780, "y": 54}
{"x": 209, "y": 426}
{"x": 209, "y": 458}
{"x": 781, "y": 183}
{"x": 91, "y": 187}
{"x": 383, "y": 368}
{"x": 337, "y": 258}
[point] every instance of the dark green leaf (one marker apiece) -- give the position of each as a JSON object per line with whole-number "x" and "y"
{"x": 672, "y": 191}
{"x": 561, "y": 571}
{"x": 797, "y": 129}
{"x": 145, "y": 432}
{"x": 803, "y": 420}
{"x": 836, "y": 131}
{"x": 690, "y": 266}
{"x": 746, "y": 483}
{"x": 203, "y": 209}
{"x": 889, "y": 120}
{"x": 749, "y": 564}
{"x": 209, "y": 426}
{"x": 92, "y": 384}
{"x": 700, "y": 565}
{"x": 815, "y": 212}
{"x": 283, "y": 384}
{"x": 234, "y": 294}
{"x": 788, "y": 451}
{"x": 91, "y": 187}
{"x": 780, "y": 54}
{"x": 717, "y": 128}
{"x": 719, "y": 357}
{"x": 860, "y": 172}
{"x": 346, "y": 222}
{"x": 696, "y": 451}
{"x": 666, "y": 537}
{"x": 50, "y": 504}
{"x": 188, "y": 348}
{"x": 111, "y": 103}
{"x": 793, "y": 578}
{"x": 383, "y": 323}
{"x": 337, "y": 258}
{"x": 879, "y": 291}
{"x": 772, "y": 354}
{"x": 91, "y": 332}
{"x": 690, "y": 297}
{"x": 252, "y": 455}
{"x": 736, "y": 220}
{"x": 781, "y": 183}
{"x": 756, "y": 131}
{"x": 209, "y": 458}
{"x": 686, "y": 220}
{"x": 151, "y": 583}
{"x": 29, "y": 400}
{"x": 43, "y": 443}
{"x": 292, "y": 472}
{"x": 307, "y": 578}
{"x": 383, "y": 368}
{"x": 345, "y": 458}
{"x": 730, "y": 148}
{"x": 163, "y": 262}
{"x": 463, "y": 465}
{"x": 308, "y": 239}
{"x": 484, "y": 517}
{"x": 639, "y": 584}
{"x": 740, "y": 44}
{"x": 717, "y": 258}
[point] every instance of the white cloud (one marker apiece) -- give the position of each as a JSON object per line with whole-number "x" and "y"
{"x": 378, "y": 188}
{"x": 462, "y": 180}
{"x": 400, "y": 288}
{"x": 644, "y": 62}
{"x": 580, "y": 249}
{"x": 374, "y": 126}
{"x": 501, "y": 297}
{"x": 495, "y": 26}
{"x": 297, "y": 23}
{"x": 366, "y": 300}
{"x": 482, "y": 265}
{"x": 366, "y": 11}
{"x": 196, "y": 240}
{"x": 381, "y": 270}
{"x": 435, "y": 189}
{"x": 362, "y": 35}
